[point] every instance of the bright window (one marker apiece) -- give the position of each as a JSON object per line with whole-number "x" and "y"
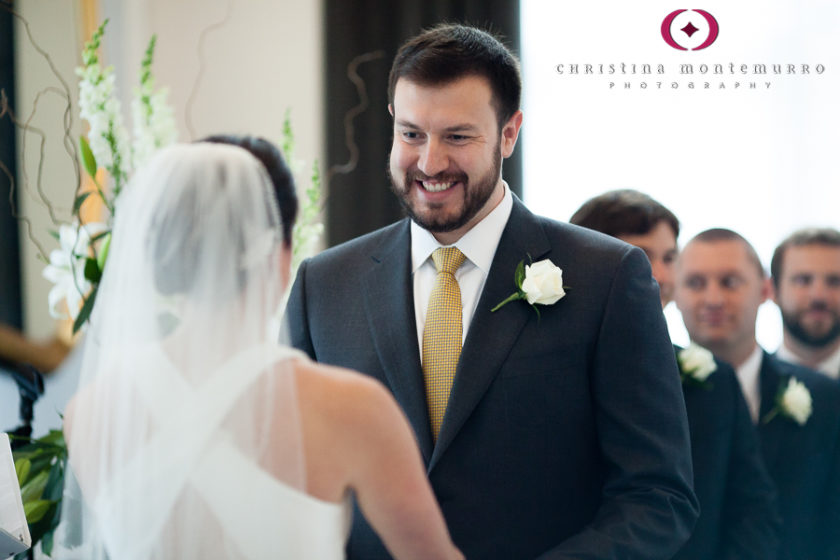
{"x": 762, "y": 161}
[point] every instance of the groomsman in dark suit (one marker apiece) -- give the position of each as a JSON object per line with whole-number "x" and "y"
{"x": 738, "y": 510}
{"x": 552, "y": 426}
{"x": 720, "y": 286}
{"x": 806, "y": 286}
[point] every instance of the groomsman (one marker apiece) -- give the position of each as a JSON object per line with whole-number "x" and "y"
{"x": 738, "y": 510}
{"x": 806, "y": 282}
{"x": 720, "y": 285}
{"x": 552, "y": 426}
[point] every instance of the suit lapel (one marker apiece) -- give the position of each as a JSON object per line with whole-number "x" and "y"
{"x": 492, "y": 335}
{"x": 771, "y": 432}
{"x": 389, "y": 303}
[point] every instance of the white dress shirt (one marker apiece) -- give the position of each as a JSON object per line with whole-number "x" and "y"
{"x": 830, "y": 366}
{"x": 478, "y": 245}
{"x": 748, "y": 377}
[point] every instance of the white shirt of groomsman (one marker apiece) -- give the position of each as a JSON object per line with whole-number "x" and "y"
{"x": 720, "y": 284}
{"x": 806, "y": 287}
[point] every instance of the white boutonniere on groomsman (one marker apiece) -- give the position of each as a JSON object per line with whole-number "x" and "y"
{"x": 696, "y": 365}
{"x": 793, "y": 401}
{"x": 540, "y": 283}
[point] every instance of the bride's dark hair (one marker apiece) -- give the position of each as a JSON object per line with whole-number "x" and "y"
{"x": 281, "y": 178}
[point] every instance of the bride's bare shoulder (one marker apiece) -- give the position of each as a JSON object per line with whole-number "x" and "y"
{"x": 343, "y": 392}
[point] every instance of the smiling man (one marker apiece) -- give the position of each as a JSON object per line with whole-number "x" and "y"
{"x": 559, "y": 433}
{"x": 806, "y": 287}
{"x": 720, "y": 286}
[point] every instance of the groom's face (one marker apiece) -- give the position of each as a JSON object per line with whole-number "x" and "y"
{"x": 446, "y": 157}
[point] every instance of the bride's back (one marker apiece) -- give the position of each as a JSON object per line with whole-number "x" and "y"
{"x": 193, "y": 430}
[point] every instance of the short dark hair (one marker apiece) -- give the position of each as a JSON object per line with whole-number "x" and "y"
{"x": 448, "y": 52}
{"x": 715, "y": 235}
{"x": 275, "y": 166}
{"x": 827, "y": 237}
{"x": 624, "y": 212}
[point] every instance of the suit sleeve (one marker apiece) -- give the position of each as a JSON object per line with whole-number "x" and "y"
{"x": 295, "y": 327}
{"x": 830, "y": 517}
{"x": 750, "y": 520}
{"x": 648, "y": 506}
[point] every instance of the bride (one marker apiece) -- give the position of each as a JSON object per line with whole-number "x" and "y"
{"x": 193, "y": 433}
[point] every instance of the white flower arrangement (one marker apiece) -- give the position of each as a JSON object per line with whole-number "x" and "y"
{"x": 76, "y": 268}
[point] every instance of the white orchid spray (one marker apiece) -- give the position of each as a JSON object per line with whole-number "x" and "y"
{"x": 76, "y": 268}
{"x": 308, "y": 228}
{"x": 108, "y": 138}
{"x": 153, "y": 118}
{"x": 66, "y": 268}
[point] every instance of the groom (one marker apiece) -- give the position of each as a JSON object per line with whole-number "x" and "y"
{"x": 559, "y": 434}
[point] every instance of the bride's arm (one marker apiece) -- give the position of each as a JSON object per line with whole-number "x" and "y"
{"x": 383, "y": 466}
{"x": 391, "y": 484}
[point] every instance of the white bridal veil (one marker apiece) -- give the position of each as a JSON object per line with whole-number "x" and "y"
{"x": 186, "y": 416}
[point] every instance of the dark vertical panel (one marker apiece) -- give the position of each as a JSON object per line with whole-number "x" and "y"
{"x": 361, "y": 201}
{"x": 11, "y": 309}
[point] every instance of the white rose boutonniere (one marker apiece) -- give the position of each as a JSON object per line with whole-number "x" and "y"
{"x": 696, "y": 365}
{"x": 792, "y": 401}
{"x": 540, "y": 283}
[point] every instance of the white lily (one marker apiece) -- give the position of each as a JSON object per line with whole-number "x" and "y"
{"x": 66, "y": 268}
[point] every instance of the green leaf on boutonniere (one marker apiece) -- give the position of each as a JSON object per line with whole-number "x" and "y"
{"x": 518, "y": 278}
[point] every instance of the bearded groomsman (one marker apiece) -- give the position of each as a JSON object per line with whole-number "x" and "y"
{"x": 719, "y": 287}
{"x": 806, "y": 283}
{"x": 738, "y": 512}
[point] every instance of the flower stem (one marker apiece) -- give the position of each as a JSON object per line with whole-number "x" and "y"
{"x": 510, "y": 298}
{"x": 770, "y": 415}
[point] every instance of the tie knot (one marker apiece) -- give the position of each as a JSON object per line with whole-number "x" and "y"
{"x": 448, "y": 259}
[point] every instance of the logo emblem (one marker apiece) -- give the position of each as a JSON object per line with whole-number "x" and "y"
{"x": 680, "y": 26}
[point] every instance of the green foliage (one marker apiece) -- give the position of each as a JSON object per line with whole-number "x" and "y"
{"x": 87, "y": 307}
{"x": 89, "y": 54}
{"x": 87, "y": 156}
{"x": 40, "y": 467}
{"x": 308, "y": 227}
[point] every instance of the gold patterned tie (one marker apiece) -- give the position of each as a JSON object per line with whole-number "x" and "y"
{"x": 442, "y": 334}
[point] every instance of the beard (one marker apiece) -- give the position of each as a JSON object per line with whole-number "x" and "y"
{"x": 793, "y": 323}
{"x": 475, "y": 196}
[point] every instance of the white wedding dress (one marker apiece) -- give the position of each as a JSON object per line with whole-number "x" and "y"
{"x": 185, "y": 439}
{"x": 244, "y": 511}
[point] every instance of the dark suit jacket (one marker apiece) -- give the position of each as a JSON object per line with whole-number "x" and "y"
{"x": 804, "y": 462}
{"x": 564, "y": 436}
{"x": 739, "y": 516}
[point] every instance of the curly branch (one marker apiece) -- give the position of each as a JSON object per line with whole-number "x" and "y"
{"x": 27, "y": 127}
{"x": 361, "y": 107}
{"x": 194, "y": 90}
{"x": 26, "y": 221}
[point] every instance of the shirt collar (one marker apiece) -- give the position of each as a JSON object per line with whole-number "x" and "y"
{"x": 748, "y": 371}
{"x": 830, "y": 366}
{"x": 478, "y": 244}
